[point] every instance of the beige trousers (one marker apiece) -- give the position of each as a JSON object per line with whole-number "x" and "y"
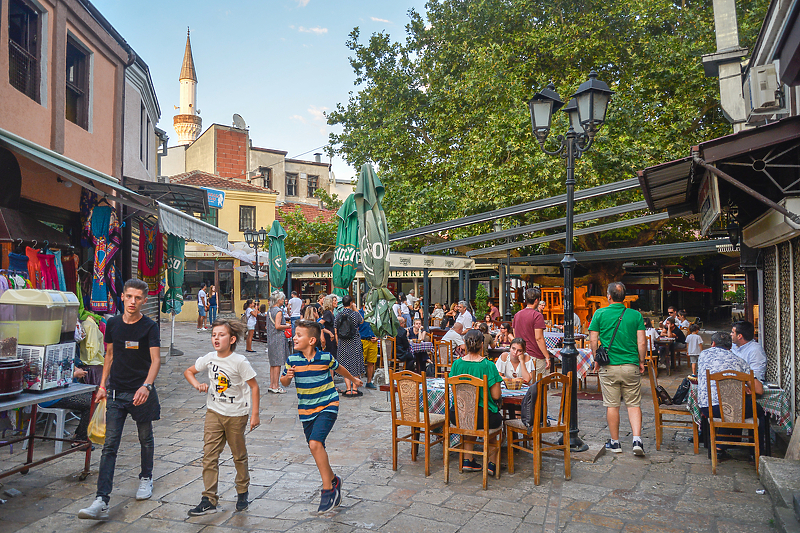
{"x": 218, "y": 430}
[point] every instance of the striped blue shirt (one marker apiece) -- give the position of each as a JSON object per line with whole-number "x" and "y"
{"x": 315, "y": 389}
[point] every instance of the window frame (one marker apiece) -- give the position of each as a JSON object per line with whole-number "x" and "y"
{"x": 242, "y": 209}
{"x": 315, "y": 180}
{"x": 212, "y": 217}
{"x": 295, "y": 183}
{"x": 82, "y": 78}
{"x": 31, "y": 50}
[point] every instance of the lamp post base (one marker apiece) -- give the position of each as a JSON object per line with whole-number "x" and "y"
{"x": 575, "y": 443}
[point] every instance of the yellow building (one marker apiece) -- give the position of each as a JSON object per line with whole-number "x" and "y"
{"x": 243, "y": 206}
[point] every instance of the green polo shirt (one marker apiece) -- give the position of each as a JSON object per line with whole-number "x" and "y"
{"x": 625, "y": 350}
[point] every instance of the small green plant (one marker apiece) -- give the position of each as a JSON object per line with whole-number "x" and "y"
{"x": 481, "y": 302}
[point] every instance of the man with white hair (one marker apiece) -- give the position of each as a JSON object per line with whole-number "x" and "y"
{"x": 464, "y": 316}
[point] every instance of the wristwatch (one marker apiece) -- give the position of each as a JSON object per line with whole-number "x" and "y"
{"x": 148, "y": 386}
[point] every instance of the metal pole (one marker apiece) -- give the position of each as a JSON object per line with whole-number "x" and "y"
{"x": 257, "y": 269}
{"x": 569, "y": 354}
{"x": 426, "y": 298}
{"x": 507, "y": 288}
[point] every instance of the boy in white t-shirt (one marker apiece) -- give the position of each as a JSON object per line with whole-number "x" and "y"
{"x": 233, "y": 395}
{"x": 694, "y": 345}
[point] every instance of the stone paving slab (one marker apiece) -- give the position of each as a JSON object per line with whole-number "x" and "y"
{"x": 668, "y": 491}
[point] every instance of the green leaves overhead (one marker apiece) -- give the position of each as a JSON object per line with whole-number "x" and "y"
{"x": 443, "y": 114}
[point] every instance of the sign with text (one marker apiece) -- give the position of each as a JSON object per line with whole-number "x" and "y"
{"x": 216, "y": 198}
{"x": 708, "y": 203}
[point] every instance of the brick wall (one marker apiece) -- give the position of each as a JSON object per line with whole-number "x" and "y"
{"x": 231, "y": 153}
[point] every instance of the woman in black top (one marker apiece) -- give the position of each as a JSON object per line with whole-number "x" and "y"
{"x": 329, "y": 325}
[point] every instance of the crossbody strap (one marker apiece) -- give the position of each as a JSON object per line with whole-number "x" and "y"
{"x": 617, "y": 328}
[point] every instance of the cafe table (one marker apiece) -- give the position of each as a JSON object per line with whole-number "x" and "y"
{"x": 670, "y": 344}
{"x": 554, "y": 339}
{"x": 585, "y": 360}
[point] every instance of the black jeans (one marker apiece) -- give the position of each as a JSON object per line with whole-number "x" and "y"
{"x": 118, "y": 406}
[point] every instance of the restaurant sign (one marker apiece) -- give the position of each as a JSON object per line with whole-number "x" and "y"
{"x": 216, "y": 198}
{"x": 708, "y": 203}
{"x": 393, "y": 274}
{"x": 535, "y": 270}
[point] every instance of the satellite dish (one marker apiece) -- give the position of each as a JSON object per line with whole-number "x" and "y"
{"x": 238, "y": 122}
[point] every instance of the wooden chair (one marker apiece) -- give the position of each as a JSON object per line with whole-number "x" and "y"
{"x": 405, "y": 389}
{"x": 261, "y": 328}
{"x": 530, "y": 439}
{"x": 732, "y": 395}
{"x": 466, "y": 391}
{"x": 390, "y": 344}
{"x": 681, "y": 411}
{"x": 436, "y": 322}
{"x": 442, "y": 357}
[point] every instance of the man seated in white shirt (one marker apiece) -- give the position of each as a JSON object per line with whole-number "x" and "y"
{"x": 464, "y": 316}
{"x": 745, "y": 347}
{"x": 454, "y": 335}
{"x": 515, "y": 363}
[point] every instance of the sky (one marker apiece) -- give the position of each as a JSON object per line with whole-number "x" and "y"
{"x": 280, "y": 64}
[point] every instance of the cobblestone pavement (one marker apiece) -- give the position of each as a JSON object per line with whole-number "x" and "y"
{"x": 667, "y": 491}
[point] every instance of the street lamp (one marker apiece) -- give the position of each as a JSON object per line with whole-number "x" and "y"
{"x": 587, "y": 113}
{"x": 256, "y": 239}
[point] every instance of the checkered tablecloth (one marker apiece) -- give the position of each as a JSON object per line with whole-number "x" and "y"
{"x": 775, "y": 402}
{"x": 421, "y": 347}
{"x": 585, "y": 360}
{"x": 554, "y": 339}
{"x": 436, "y": 394}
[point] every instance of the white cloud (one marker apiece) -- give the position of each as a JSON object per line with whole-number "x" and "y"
{"x": 315, "y": 29}
{"x": 302, "y": 3}
{"x": 298, "y": 118}
{"x": 318, "y": 116}
{"x": 376, "y": 19}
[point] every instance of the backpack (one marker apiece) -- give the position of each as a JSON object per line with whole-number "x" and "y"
{"x": 528, "y": 405}
{"x": 345, "y": 326}
{"x": 663, "y": 396}
{"x": 682, "y": 392}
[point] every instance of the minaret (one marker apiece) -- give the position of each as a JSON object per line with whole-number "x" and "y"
{"x": 188, "y": 123}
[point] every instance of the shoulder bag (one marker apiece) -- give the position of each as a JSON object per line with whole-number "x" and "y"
{"x": 601, "y": 354}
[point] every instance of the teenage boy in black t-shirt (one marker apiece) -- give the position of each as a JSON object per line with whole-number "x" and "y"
{"x": 131, "y": 365}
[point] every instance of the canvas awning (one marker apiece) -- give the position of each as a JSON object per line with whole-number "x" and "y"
{"x": 180, "y": 224}
{"x": 15, "y": 226}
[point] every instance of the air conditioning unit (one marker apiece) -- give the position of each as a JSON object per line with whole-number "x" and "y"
{"x": 761, "y": 90}
{"x": 47, "y": 367}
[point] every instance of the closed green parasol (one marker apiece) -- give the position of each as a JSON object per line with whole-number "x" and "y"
{"x": 173, "y": 299}
{"x": 277, "y": 256}
{"x": 345, "y": 260}
{"x": 373, "y": 240}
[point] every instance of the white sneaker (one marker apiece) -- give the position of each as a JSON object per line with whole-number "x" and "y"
{"x": 145, "y": 488}
{"x": 97, "y": 511}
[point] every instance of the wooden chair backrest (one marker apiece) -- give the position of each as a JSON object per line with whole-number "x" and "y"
{"x": 390, "y": 345}
{"x": 651, "y": 372}
{"x": 540, "y": 411}
{"x": 407, "y": 386}
{"x": 443, "y": 352}
{"x": 467, "y": 390}
{"x": 436, "y": 322}
{"x": 731, "y": 394}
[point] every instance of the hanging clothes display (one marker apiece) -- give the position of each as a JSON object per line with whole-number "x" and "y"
{"x": 17, "y": 263}
{"x": 151, "y": 257}
{"x": 62, "y": 283}
{"x": 70, "y": 266}
{"x": 47, "y": 265}
{"x": 89, "y": 199}
{"x": 105, "y": 234}
{"x": 34, "y": 269}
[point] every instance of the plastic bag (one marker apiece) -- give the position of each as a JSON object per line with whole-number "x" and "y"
{"x": 97, "y": 425}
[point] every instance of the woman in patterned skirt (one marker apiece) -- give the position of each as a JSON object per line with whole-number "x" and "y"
{"x": 351, "y": 351}
{"x": 277, "y": 343}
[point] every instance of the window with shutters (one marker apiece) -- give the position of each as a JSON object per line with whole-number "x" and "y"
{"x": 23, "y": 47}
{"x": 77, "y": 108}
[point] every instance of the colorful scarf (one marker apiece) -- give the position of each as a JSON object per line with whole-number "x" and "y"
{"x": 104, "y": 230}
{"x": 151, "y": 258}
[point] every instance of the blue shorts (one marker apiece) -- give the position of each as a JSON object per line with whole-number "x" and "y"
{"x": 201, "y": 310}
{"x": 319, "y": 428}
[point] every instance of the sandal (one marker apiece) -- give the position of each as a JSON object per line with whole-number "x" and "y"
{"x": 353, "y": 393}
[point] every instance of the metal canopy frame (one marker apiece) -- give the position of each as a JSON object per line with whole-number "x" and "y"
{"x": 600, "y": 190}
{"x": 580, "y": 231}
{"x": 656, "y": 251}
{"x": 539, "y": 226}
{"x": 186, "y": 198}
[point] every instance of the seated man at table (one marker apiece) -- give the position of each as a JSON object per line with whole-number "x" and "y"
{"x": 456, "y": 340}
{"x": 403, "y": 347}
{"x": 515, "y": 363}
{"x": 417, "y": 332}
{"x": 745, "y": 346}
{"x": 719, "y": 358}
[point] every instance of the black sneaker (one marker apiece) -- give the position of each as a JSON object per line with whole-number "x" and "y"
{"x": 337, "y": 488}
{"x": 638, "y": 448}
{"x": 241, "y": 501}
{"x": 491, "y": 469}
{"x": 468, "y": 465}
{"x": 327, "y": 501}
{"x": 204, "y": 507}
{"x": 613, "y": 447}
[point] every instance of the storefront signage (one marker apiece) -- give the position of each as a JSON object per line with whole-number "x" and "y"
{"x": 216, "y": 198}
{"x": 535, "y": 270}
{"x": 708, "y": 203}
{"x": 419, "y": 261}
{"x": 393, "y": 274}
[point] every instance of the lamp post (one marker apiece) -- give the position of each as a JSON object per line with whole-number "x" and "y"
{"x": 256, "y": 239}
{"x": 587, "y": 112}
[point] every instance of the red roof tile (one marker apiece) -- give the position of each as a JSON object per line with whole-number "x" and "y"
{"x": 311, "y": 212}
{"x": 199, "y": 178}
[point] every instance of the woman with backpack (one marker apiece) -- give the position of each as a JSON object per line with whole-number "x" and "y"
{"x": 350, "y": 350}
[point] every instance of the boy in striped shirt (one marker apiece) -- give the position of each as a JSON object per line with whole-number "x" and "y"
{"x": 317, "y": 401}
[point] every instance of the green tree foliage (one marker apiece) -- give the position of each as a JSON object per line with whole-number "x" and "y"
{"x": 311, "y": 236}
{"x": 443, "y": 113}
{"x": 481, "y": 302}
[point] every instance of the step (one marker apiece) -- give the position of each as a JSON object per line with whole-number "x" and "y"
{"x": 781, "y": 478}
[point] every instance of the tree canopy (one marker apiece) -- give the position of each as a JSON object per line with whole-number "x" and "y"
{"x": 443, "y": 114}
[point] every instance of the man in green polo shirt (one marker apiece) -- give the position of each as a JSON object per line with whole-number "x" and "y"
{"x": 622, "y": 377}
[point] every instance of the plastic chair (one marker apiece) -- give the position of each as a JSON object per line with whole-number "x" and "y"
{"x": 405, "y": 389}
{"x": 681, "y": 410}
{"x": 532, "y": 436}
{"x": 60, "y": 422}
{"x": 732, "y": 397}
{"x": 466, "y": 390}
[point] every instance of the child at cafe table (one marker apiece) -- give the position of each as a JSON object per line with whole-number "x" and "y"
{"x": 515, "y": 363}
{"x": 474, "y": 364}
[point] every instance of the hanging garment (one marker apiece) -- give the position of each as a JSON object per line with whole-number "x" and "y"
{"x": 104, "y": 230}
{"x": 151, "y": 257}
{"x": 47, "y": 265}
{"x": 20, "y": 282}
{"x": 62, "y": 282}
{"x": 92, "y": 345}
{"x": 3, "y": 284}
{"x": 17, "y": 263}
{"x": 89, "y": 199}
{"x": 70, "y": 264}
{"x": 34, "y": 268}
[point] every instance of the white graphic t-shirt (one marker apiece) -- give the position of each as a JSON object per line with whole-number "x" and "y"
{"x": 228, "y": 391}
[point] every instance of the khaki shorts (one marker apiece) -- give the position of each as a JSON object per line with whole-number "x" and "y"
{"x": 539, "y": 367}
{"x": 370, "y": 351}
{"x": 621, "y": 381}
